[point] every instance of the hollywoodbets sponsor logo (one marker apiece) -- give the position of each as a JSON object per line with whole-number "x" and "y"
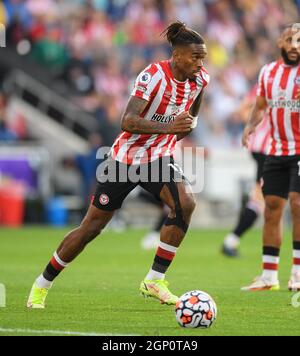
{"x": 163, "y": 119}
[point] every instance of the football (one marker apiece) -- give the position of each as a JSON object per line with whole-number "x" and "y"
{"x": 196, "y": 309}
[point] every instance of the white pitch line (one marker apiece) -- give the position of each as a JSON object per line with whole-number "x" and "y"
{"x": 60, "y": 332}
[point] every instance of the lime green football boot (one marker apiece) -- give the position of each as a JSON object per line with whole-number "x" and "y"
{"x": 36, "y": 299}
{"x": 158, "y": 289}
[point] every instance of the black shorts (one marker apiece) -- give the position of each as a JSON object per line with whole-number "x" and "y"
{"x": 117, "y": 180}
{"x": 281, "y": 175}
{"x": 260, "y": 160}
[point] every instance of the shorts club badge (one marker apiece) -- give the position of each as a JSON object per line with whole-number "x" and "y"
{"x": 104, "y": 199}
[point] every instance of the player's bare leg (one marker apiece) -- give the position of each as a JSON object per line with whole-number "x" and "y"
{"x": 272, "y": 239}
{"x": 173, "y": 234}
{"x": 73, "y": 243}
{"x": 272, "y": 231}
{"x": 76, "y": 240}
{"x": 182, "y": 206}
{"x": 294, "y": 282}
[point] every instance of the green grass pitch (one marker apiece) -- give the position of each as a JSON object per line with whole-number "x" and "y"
{"x": 98, "y": 292}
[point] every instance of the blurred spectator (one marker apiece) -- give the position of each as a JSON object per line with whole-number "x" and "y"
{"x": 5, "y": 133}
{"x": 49, "y": 52}
{"x": 39, "y": 8}
{"x": 3, "y": 15}
{"x": 223, "y": 27}
{"x": 17, "y": 10}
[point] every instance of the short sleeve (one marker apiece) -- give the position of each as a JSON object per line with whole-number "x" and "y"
{"x": 146, "y": 83}
{"x": 206, "y": 78}
{"x": 261, "y": 91}
{"x": 203, "y": 79}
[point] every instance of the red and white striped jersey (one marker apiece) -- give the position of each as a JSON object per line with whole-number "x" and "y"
{"x": 278, "y": 83}
{"x": 259, "y": 142}
{"x": 167, "y": 98}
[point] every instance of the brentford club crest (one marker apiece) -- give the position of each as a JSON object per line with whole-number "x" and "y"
{"x": 104, "y": 199}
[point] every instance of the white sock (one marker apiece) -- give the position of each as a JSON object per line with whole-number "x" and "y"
{"x": 231, "y": 241}
{"x": 270, "y": 267}
{"x": 296, "y": 269}
{"x": 270, "y": 275}
{"x": 154, "y": 275}
{"x": 296, "y": 260}
{"x": 42, "y": 282}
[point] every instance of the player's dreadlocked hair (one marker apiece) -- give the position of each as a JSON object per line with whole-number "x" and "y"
{"x": 178, "y": 34}
{"x": 292, "y": 25}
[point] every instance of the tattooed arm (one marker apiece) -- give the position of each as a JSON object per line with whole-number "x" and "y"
{"x": 132, "y": 121}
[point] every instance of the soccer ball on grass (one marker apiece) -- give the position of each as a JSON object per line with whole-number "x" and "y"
{"x": 195, "y": 309}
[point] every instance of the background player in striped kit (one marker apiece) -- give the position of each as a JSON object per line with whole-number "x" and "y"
{"x": 278, "y": 95}
{"x": 258, "y": 146}
{"x": 163, "y": 109}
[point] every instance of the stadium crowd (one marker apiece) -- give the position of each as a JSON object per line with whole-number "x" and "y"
{"x": 99, "y": 46}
